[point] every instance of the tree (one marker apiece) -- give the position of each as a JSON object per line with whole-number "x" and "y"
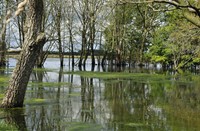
{"x": 7, "y": 15}
{"x": 88, "y": 12}
{"x": 83, "y": 18}
{"x": 145, "y": 23}
{"x": 50, "y": 29}
{"x": 58, "y": 19}
{"x": 129, "y": 32}
{"x": 34, "y": 41}
{"x": 184, "y": 45}
{"x": 70, "y": 23}
{"x": 116, "y": 33}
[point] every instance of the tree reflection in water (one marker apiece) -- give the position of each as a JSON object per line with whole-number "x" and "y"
{"x": 16, "y": 117}
{"x": 129, "y": 102}
{"x": 79, "y": 103}
{"x": 87, "y": 98}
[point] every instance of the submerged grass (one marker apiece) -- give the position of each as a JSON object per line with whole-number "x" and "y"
{"x": 139, "y": 77}
{"x": 35, "y": 101}
{"x": 124, "y": 75}
{"x": 45, "y": 70}
{"x": 40, "y": 102}
{"x": 136, "y": 124}
{"x": 75, "y": 94}
{"x": 80, "y": 126}
{"x": 107, "y": 75}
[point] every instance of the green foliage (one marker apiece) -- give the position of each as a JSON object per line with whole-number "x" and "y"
{"x": 196, "y": 60}
{"x": 159, "y": 59}
{"x": 158, "y": 51}
{"x": 130, "y": 30}
{"x": 175, "y": 42}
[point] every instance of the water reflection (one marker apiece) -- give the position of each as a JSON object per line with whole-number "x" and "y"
{"x": 87, "y": 98}
{"x": 131, "y": 106}
{"x": 59, "y": 101}
{"x": 16, "y": 117}
{"x": 2, "y": 71}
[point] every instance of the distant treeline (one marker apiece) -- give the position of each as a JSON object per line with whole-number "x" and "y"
{"x": 78, "y": 53}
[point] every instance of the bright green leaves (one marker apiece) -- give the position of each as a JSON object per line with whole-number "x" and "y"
{"x": 175, "y": 42}
{"x": 159, "y": 59}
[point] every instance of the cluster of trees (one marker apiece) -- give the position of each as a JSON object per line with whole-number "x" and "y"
{"x": 128, "y": 31}
{"x": 70, "y": 26}
{"x": 163, "y": 31}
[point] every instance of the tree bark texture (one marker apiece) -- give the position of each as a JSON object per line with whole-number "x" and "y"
{"x": 3, "y": 46}
{"x": 34, "y": 41}
{"x": 2, "y": 53}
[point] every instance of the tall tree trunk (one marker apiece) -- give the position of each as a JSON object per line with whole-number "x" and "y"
{"x": 58, "y": 23}
{"x": 100, "y": 52}
{"x": 84, "y": 45}
{"x": 34, "y": 41}
{"x": 2, "y": 52}
{"x": 61, "y": 54}
{"x": 103, "y": 61}
{"x": 87, "y": 51}
{"x": 2, "y": 40}
{"x": 70, "y": 21}
{"x": 72, "y": 46}
{"x": 43, "y": 54}
{"x": 84, "y": 21}
{"x": 92, "y": 38}
{"x": 41, "y": 58}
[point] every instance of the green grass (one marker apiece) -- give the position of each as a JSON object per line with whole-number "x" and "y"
{"x": 81, "y": 126}
{"x": 139, "y": 77}
{"x": 7, "y": 127}
{"x": 4, "y": 79}
{"x": 2, "y": 95}
{"x": 44, "y": 70}
{"x": 39, "y": 101}
{"x": 74, "y": 94}
{"x": 136, "y": 124}
{"x": 35, "y": 101}
{"x": 109, "y": 74}
{"x": 124, "y": 75}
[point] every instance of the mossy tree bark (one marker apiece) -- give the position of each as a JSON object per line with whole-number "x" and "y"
{"x": 34, "y": 41}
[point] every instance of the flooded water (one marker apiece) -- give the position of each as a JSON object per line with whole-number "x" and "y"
{"x": 60, "y": 101}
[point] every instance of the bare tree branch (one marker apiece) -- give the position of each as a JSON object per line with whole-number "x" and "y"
{"x": 176, "y": 3}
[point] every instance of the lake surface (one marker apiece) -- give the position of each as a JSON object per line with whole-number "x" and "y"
{"x": 59, "y": 101}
